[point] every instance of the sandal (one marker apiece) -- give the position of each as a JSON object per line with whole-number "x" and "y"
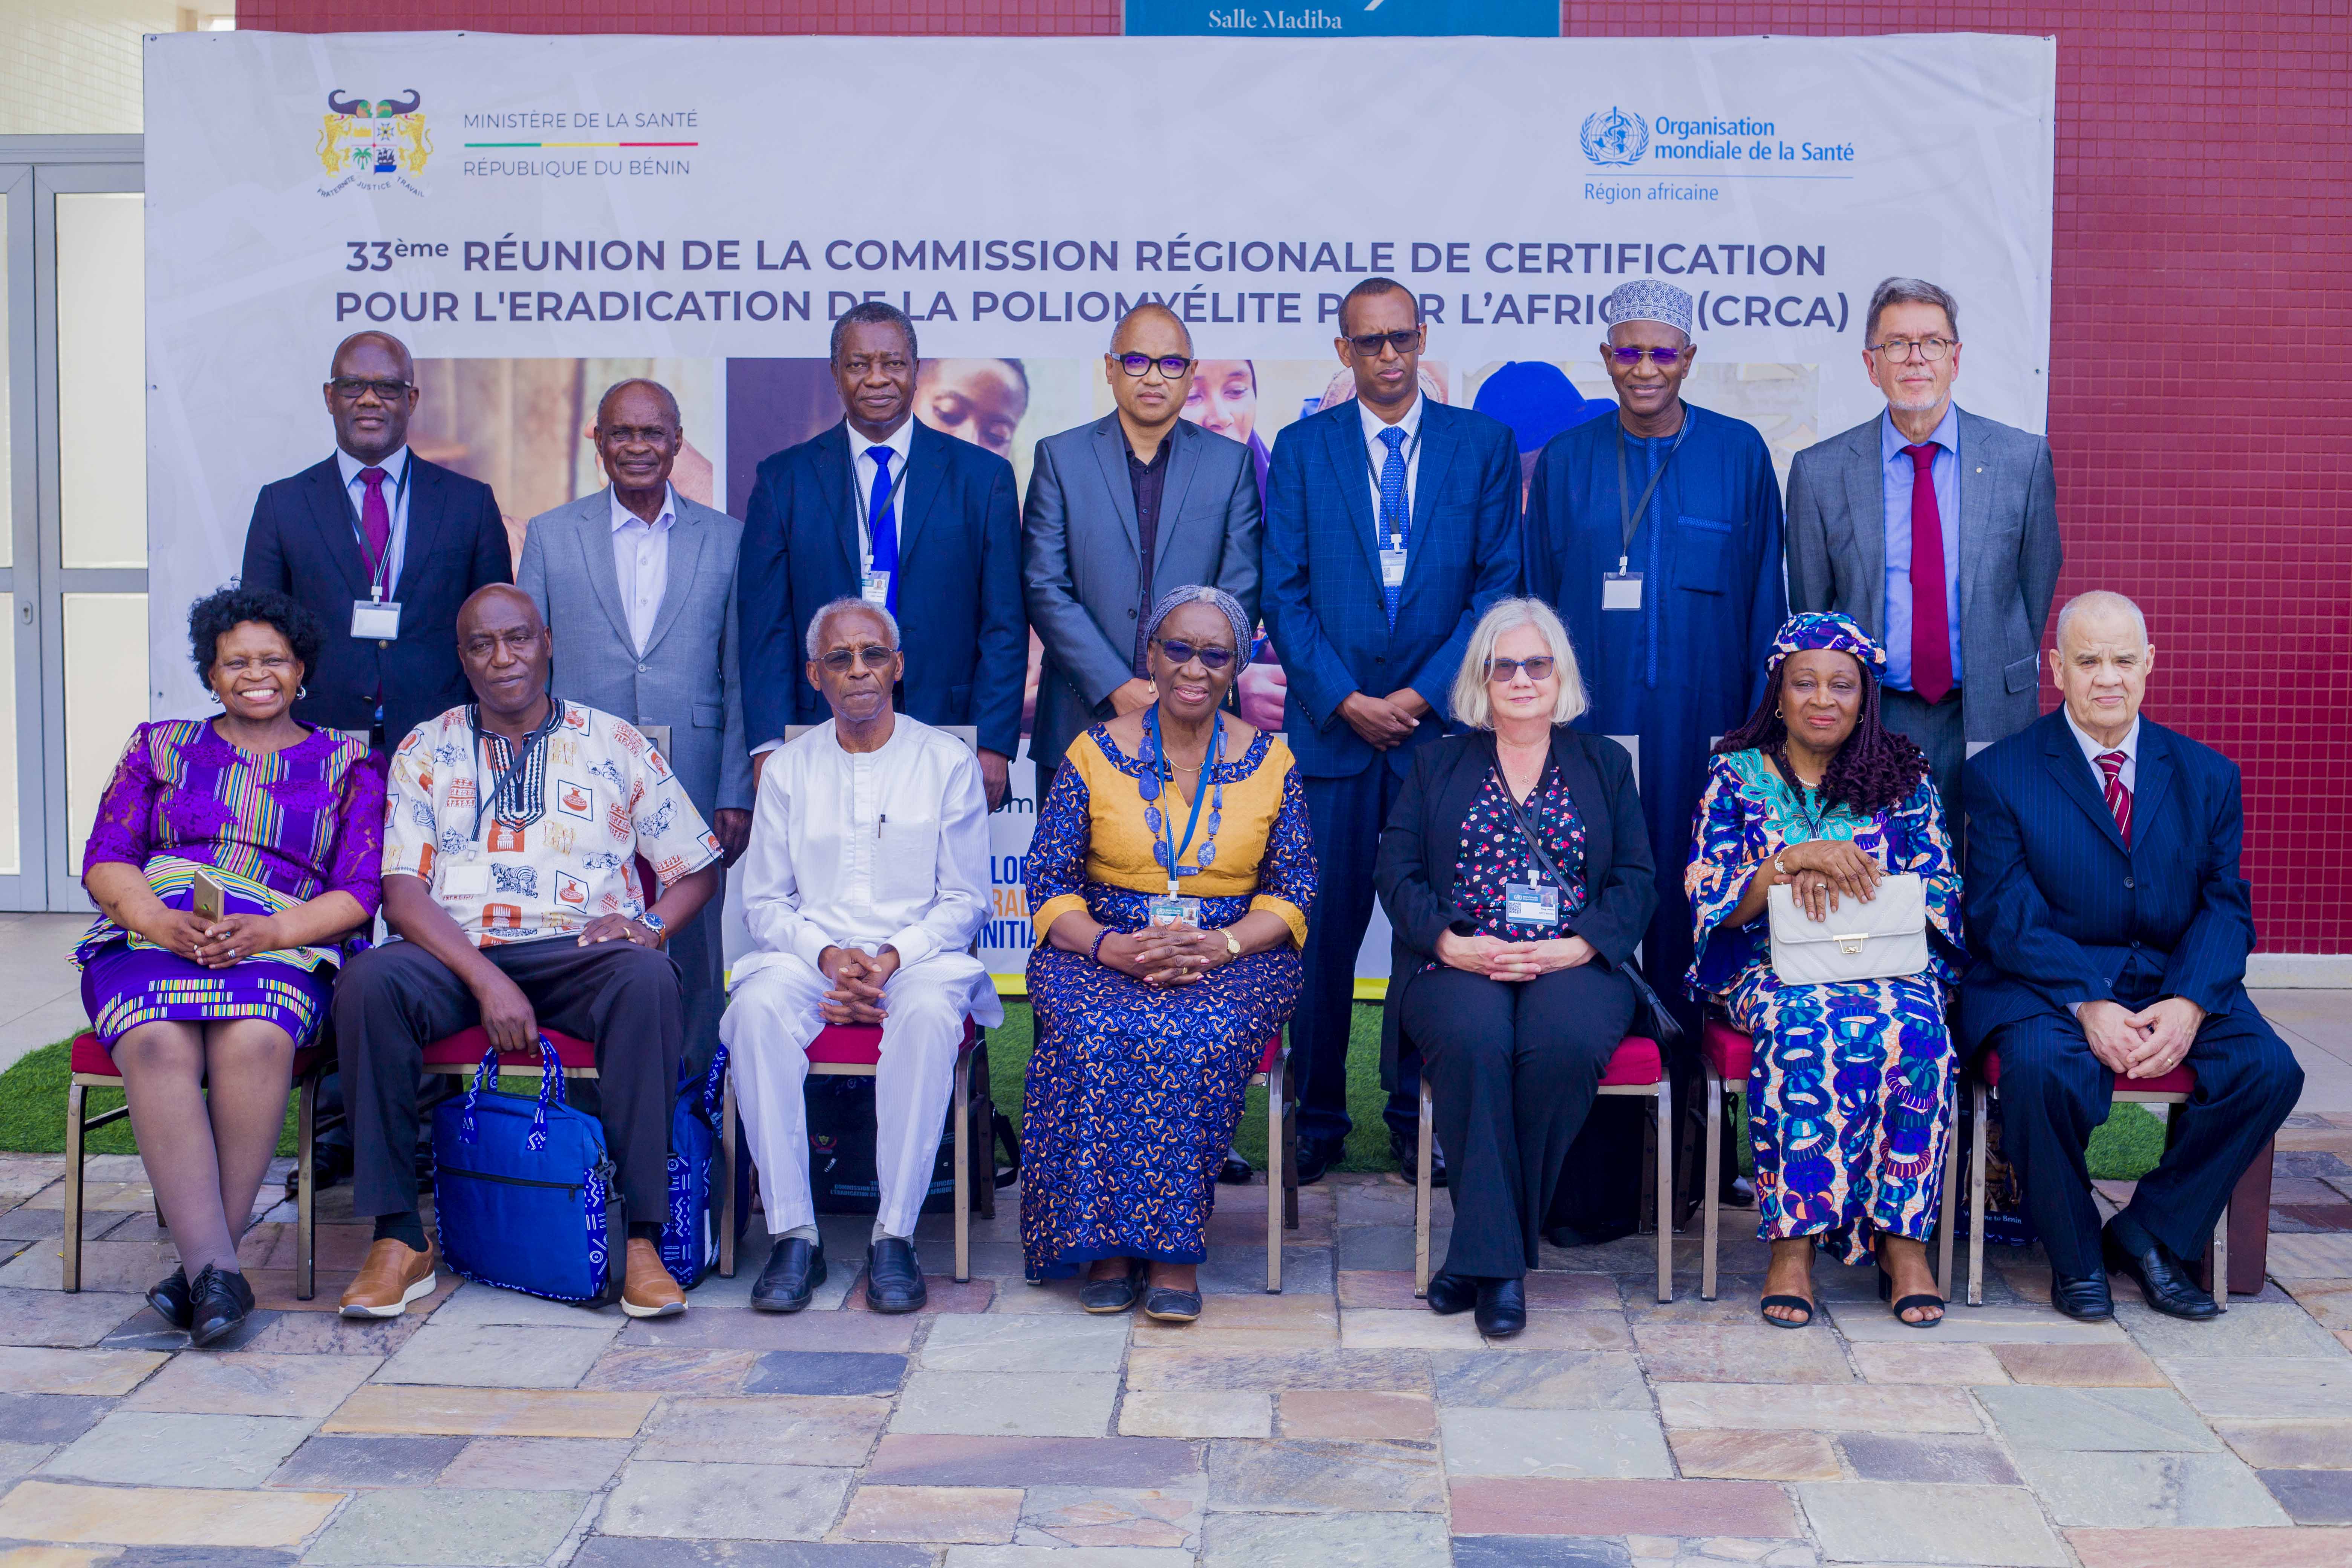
{"x": 1797, "y": 1301}
{"x": 1911, "y": 1303}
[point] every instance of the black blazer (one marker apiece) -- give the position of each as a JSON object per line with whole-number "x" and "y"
{"x": 303, "y": 543}
{"x": 961, "y": 616}
{"x": 1419, "y": 846}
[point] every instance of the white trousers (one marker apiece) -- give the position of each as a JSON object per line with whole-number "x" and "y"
{"x": 769, "y": 1023}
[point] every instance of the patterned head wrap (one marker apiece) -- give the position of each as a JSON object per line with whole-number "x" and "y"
{"x": 1825, "y": 629}
{"x": 1648, "y": 300}
{"x": 1195, "y": 594}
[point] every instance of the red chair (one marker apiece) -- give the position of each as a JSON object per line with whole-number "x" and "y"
{"x": 1638, "y": 1068}
{"x": 93, "y": 1067}
{"x": 2172, "y": 1089}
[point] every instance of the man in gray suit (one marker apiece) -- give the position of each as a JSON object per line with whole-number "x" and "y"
{"x": 637, "y": 585}
{"x": 1936, "y": 530}
{"x": 1120, "y": 512}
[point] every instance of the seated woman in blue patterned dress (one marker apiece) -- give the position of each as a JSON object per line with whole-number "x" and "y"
{"x": 287, "y": 822}
{"x": 1148, "y": 1032}
{"x": 1849, "y": 1096}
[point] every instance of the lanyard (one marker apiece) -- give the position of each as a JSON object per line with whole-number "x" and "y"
{"x": 379, "y": 580}
{"x": 1200, "y": 791}
{"x": 1407, "y": 450}
{"x": 1630, "y": 517}
{"x": 511, "y": 781}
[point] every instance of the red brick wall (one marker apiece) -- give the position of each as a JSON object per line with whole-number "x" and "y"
{"x": 2199, "y": 404}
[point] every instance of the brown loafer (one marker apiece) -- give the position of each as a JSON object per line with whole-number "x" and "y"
{"x": 647, "y": 1290}
{"x": 394, "y": 1275}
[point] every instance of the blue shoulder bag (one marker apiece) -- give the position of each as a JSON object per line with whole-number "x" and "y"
{"x": 524, "y": 1197}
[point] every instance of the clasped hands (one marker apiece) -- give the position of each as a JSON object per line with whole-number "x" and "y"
{"x": 216, "y": 944}
{"x": 2146, "y": 1044}
{"x": 1499, "y": 960}
{"x": 1821, "y": 869}
{"x": 857, "y": 979}
{"x": 1166, "y": 955}
{"x": 1384, "y": 722}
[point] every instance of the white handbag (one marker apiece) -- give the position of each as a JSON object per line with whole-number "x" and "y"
{"x": 1874, "y": 940}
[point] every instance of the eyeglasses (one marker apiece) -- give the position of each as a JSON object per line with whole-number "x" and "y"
{"x": 1630, "y": 357}
{"x": 352, "y": 388}
{"x": 1181, "y": 652}
{"x": 1369, "y": 344}
{"x": 873, "y": 655}
{"x": 1930, "y": 350}
{"x": 1503, "y": 671}
{"x": 268, "y": 664}
{"x": 1170, "y": 365}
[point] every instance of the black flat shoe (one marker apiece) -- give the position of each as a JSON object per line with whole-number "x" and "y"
{"x": 1235, "y": 1172}
{"x": 1452, "y": 1293}
{"x": 1315, "y": 1158}
{"x": 218, "y": 1303}
{"x": 795, "y": 1269}
{"x": 171, "y": 1299}
{"x": 1909, "y": 1303}
{"x": 894, "y": 1277}
{"x": 1568, "y": 1235}
{"x": 1406, "y": 1152}
{"x": 2163, "y": 1277}
{"x": 2085, "y": 1299}
{"x": 1164, "y": 1305}
{"x": 1103, "y": 1297}
{"x": 1502, "y": 1306}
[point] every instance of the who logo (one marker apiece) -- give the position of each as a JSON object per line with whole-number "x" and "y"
{"x": 1614, "y": 137}
{"x": 374, "y": 145}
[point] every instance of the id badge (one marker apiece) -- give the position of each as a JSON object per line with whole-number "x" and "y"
{"x": 377, "y": 618}
{"x": 470, "y": 880}
{"x": 874, "y": 587}
{"x": 1176, "y": 911}
{"x": 659, "y": 735}
{"x": 1620, "y": 590}
{"x": 1391, "y": 568}
{"x": 1530, "y": 904}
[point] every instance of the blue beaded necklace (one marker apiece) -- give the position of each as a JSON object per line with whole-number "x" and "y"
{"x": 1157, "y": 771}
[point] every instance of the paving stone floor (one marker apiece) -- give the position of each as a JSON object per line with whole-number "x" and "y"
{"x": 1337, "y": 1424}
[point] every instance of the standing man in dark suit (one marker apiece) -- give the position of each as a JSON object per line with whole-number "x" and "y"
{"x": 1120, "y": 512}
{"x": 1391, "y": 522}
{"x": 1936, "y": 530}
{"x": 886, "y": 509}
{"x": 2110, "y": 928}
{"x": 383, "y": 547}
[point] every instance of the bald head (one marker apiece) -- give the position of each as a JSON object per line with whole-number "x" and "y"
{"x": 2102, "y": 664}
{"x": 2103, "y": 613}
{"x": 632, "y": 396}
{"x": 1124, "y": 336}
{"x": 370, "y": 390}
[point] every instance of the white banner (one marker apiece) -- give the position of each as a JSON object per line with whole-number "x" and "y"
{"x": 536, "y": 217}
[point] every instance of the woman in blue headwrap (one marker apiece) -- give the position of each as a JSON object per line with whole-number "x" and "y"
{"x": 1849, "y": 1096}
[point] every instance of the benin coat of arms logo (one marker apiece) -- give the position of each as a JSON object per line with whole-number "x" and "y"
{"x": 374, "y": 145}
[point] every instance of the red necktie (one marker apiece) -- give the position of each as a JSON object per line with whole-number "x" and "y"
{"x": 375, "y": 521}
{"x": 2111, "y": 763}
{"x": 1931, "y": 626}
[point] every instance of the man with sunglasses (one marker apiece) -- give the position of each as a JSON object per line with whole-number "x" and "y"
{"x": 1391, "y": 522}
{"x": 865, "y": 882}
{"x": 1656, "y": 536}
{"x": 383, "y": 547}
{"x": 1937, "y": 531}
{"x": 1120, "y": 512}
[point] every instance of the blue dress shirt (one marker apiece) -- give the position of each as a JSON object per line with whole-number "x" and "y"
{"x": 1895, "y": 467}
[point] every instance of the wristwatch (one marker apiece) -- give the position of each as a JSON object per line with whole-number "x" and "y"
{"x": 656, "y": 924}
{"x": 1233, "y": 947}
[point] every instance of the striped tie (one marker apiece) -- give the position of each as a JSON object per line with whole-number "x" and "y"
{"x": 2111, "y": 763}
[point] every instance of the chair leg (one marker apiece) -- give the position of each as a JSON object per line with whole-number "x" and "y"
{"x": 1421, "y": 1194}
{"x": 1980, "y": 1100}
{"x": 1274, "y": 1190}
{"x": 1289, "y": 1145}
{"x": 76, "y": 1095}
{"x": 963, "y": 1168}
{"x": 1708, "y": 1198}
{"x": 727, "y": 1176}
{"x": 306, "y": 1183}
{"x": 2222, "y": 1260}
{"x": 1666, "y": 1188}
{"x": 983, "y": 1128}
{"x": 1950, "y": 1211}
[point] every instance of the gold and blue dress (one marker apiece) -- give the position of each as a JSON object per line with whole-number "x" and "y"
{"x": 1849, "y": 1093}
{"x": 1134, "y": 1091}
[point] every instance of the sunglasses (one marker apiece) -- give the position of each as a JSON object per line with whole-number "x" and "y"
{"x": 873, "y": 655}
{"x": 352, "y": 388}
{"x": 1180, "y": 652}
{"x": 1369, "y": 345}
{"x": 1502, "y": 671}
{"x": 1170, "y": 365}
{"x": 1630, "y": 357}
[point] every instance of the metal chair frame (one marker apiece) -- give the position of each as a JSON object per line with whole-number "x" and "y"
{"x": 1281, "y": 1160}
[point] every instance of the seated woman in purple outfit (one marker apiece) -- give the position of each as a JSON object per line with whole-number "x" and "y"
{"x": 287, "y": 822}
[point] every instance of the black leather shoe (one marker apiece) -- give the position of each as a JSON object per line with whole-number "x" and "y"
{"x": 1168, "y": 1306}
{"x": 170, "y": 1297}
{"x": 894, "y": 1277}
{"x": 1405, "y": 1151}
{"x": 1502, "y": 1306}
{"x": 1116, "y": 1294}
{"x": 795, "y": 1269}
{"x": 1315, "y": 1157}
{"x": 218, "y": 1302}
{"x": 2086, "y": 1298}
{"x": 1235, "y": 1172}
{"x": 1452, "y": 1293}
{"x": 1567, "y": 1235}
{"x": 2131, "y": 1251}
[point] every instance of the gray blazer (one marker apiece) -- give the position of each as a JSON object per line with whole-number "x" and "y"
{"x": 1081, "y": 558}
{"x": 2009, "y": 556}
{"x": 687, "y": 677}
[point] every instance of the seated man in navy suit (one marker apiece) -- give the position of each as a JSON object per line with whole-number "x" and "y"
{"x": 2111, "y": 928}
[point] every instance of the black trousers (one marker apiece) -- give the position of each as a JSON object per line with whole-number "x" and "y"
{"x": 2054, "y": 1092}
{"x": 1346, "y": 816}
{"x": 394, "y": 1000}
{"x": 1512, "y": 1066}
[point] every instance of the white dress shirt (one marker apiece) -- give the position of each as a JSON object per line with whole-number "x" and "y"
{"x": 2091, "y": 751}
{"x": 641, "y": 560}
{"x": 396, "y": 500}
{"x": 862, "y": 470}
{"x": 869, "y": 850}
{"x": 1376, "y": 452}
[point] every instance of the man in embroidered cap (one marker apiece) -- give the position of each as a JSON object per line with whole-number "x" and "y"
{"x": 1657, "y": 536}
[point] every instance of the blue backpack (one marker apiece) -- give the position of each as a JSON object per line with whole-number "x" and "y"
{"x": 524, "y": 1195}
{"x": 690, "y": 1237}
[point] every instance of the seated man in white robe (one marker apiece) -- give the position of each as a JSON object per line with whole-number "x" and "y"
{"x": 865, "y": 884}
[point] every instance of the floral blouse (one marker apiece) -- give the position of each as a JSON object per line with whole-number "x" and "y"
{"x": 1494, "y": 853}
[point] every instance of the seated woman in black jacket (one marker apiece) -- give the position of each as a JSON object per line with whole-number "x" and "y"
{"x": 1516, "y": 873}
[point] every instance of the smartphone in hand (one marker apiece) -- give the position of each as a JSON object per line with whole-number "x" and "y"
{"x": 212, "y": 899}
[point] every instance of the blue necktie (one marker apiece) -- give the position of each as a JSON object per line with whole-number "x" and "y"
{"x": 882, "y": 522}
{"x": 1394, "y": 521}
